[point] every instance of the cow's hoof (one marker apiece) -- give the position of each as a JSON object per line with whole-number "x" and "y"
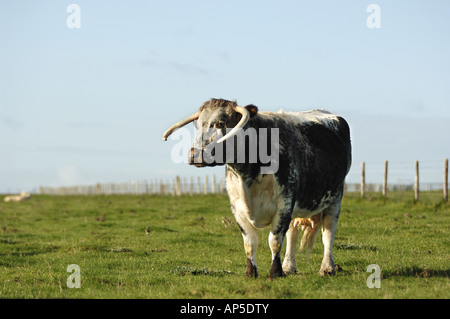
{"x": 289, "y": 267}
{"x": 328, "y": 271}
{"x": 251, "y": 274}
{"x": 276, "y": 270}
{"x": 276, "y": 275}
{"x": 252, "y": 270}
{"x": 290, "y": 271}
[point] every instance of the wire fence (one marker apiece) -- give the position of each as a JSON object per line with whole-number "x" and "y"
{"x": 419, "y": 177}
{"x": 376, "y": 177}
{"x": 175, "y": 186}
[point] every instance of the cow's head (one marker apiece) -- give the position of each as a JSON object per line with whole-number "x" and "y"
{"x": 217, "y": 120}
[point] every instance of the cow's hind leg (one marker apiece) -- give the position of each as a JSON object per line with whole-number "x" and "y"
{"x": 289, "y": 263}
{"x": 329, "y": 226}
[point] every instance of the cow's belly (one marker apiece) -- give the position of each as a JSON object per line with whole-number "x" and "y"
{"x": 320, "y": 205}
{"x": 304, "y": 213}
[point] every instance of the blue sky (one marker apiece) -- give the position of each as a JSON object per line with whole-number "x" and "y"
{"x": 85, "y": 105}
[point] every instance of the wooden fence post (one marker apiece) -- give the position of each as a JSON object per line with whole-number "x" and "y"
{"x": 363, "y": 178}
{"x": 221, "y": 186}
{"x": 416, "y": 184}
{"x": 446, "y": 180}
{"x": 197, "y": 189}
{"x": 213, "y": 185}
{"x": 178, "y": 190}
{"x": 385, "y": 178}
{"x": 205, "y": 186}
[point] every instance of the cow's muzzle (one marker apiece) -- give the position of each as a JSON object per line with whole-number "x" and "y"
{"x": 196, "y": 158}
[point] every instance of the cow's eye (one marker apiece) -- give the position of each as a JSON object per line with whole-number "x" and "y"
{"x": 219, "y": 125}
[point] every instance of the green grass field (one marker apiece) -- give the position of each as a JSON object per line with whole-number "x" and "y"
{"x": 189, "y": 253}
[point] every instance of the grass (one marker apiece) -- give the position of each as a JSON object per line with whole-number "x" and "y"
{"x": 189, "y": 253}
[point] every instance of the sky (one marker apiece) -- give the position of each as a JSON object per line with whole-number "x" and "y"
{"x": 89, "y": 102}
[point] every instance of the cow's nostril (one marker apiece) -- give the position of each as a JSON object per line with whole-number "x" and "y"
{"x": 191, "y": 155}
{"x": 194, "y": 155}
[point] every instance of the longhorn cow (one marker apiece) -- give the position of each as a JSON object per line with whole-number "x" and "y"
{"x": 305, "y": 179}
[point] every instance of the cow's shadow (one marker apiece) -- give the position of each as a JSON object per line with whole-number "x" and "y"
{"x": 414, "y": 271}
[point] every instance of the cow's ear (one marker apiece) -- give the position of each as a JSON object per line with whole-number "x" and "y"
{"x": 252, "y": 109}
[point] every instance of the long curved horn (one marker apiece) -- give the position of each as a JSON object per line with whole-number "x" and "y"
{"x": 181, "y": 123}
{"x": 241, "y": 124}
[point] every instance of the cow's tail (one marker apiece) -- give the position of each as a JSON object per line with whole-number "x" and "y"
{"x": 309, "y": 235}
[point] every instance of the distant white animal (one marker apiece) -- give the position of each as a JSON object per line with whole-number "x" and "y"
{"x": 17, "y": 198}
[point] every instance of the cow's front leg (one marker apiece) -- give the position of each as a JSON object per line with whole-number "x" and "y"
{"x": 250, "y": 236}
{"x": 251, "y": 245}
{"x": 275, "y": 243}
{"x": 276, "y": 238}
